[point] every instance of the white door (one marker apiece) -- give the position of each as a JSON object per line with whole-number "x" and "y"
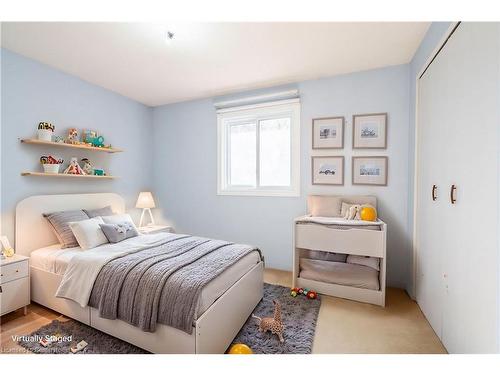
{"x": 463, "y": 84}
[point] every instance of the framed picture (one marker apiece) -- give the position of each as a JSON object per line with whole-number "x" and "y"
{"x": 369, "y": 170}
{"x": 327, "y": 170}
{"x": 369, "y": 131}
{"x": 328, "y": 132}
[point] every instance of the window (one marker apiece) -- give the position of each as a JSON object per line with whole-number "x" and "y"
{"x": 258, "y": 149}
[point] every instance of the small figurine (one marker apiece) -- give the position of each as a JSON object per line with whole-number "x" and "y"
{"x": 58, "y": 139}
{"x": 87, "y": 166}
{"x": 72, "y": 136}
{"x": 99, "y": 172}
{"x": 74, "y": 168}
{"x": 274, "y": 323}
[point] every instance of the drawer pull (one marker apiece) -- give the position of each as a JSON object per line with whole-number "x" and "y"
{"x": 453, "y": 190}
{"x": 17, "y": 270}
{"x": 434, "y": 188}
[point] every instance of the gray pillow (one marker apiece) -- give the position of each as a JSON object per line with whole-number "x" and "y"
{"x": 119, "y": 232}
{"x": 325, "y": 255}
{"x": 59, "y": 222}
{"x": 105, "y": 211}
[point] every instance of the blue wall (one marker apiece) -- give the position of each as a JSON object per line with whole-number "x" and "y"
{"x": 185, "y": 157}
{"x": 432, "y": 38}
{"x": 33, "y": 92}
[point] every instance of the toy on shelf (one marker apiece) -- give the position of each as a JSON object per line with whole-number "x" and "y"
{"x": 353, "y": 212}
{"x": 74, "y": 168}
{"x": 240, "y": 349}
{"x": 72, "y": 137}
{"x": 58, "y": 139}
{"x": 310, "y": 294}
{"x": 45, "y": 131}
{"x": 368, "y": 213}
{"x": 50, "y": 164}
{"x": 272, "y": 323}
{"x": 87, "y": 166}
{"x": 99, "y": 172}
{"x": 96, "y": 141}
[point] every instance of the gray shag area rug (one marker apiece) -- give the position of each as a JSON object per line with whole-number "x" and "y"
{"x": 299, "y": 315}
{"x": 98, "y": 342}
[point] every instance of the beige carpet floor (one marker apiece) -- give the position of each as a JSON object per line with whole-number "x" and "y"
{"x": 343, "y": 326}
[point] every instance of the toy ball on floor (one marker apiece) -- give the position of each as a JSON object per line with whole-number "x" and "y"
{"x": 293, "y": 293}
{"x": 312, "y": 294}
{"x": 240, "y": 349}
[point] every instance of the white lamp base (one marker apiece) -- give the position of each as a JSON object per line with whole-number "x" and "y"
{"x": 150, "y": 215}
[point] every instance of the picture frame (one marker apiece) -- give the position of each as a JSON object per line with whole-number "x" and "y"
{"x": 369, "y": 131}
{"x": 328, "y": 133}
{"x": 327, "y": 170}
{"x": 370, "y": 170}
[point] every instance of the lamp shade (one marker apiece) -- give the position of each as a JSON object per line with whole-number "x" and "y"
{"x": 145, "y": 200}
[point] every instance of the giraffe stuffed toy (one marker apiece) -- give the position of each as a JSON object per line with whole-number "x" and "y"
{"x": 274, "y": 323}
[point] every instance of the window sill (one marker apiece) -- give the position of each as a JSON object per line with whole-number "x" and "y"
{"x": 260, "y": 193}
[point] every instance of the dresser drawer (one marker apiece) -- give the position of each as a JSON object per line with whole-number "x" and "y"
{"x": 13, "y": 271}
{"x": 14, "y": 295}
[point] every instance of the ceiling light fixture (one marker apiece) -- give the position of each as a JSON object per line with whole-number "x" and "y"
{"x": 169, "y": 37}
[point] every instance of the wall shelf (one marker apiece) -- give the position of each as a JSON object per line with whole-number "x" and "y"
{"x": 42, "y": 174}
{"x": 68, "y": 145}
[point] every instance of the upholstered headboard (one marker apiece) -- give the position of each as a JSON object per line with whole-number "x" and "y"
{"x": 333, "y": 202}
{"x": 34, "y": 232}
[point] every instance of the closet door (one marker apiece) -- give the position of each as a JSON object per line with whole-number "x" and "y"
{"x": 463, "y": 84}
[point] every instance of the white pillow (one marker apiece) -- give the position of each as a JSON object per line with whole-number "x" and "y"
{"x": 88, "y": 233}
{"x": 118, "y": 219}
{"x": 371, "y": 262}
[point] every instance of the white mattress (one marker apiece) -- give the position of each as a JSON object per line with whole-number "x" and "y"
{"x": 55, "y": 260}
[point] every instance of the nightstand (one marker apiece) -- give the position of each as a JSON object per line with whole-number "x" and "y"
{"x": 152, "y": 229}
{"x": 14, "y": 284}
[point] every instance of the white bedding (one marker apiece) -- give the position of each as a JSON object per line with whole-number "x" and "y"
{"x": 84, "y": 266}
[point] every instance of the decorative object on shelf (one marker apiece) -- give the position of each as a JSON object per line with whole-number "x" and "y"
{"x": 368, "y": 213}
{"x": 74, "y": 168}
{"x": 7, "y": 250}
{"x": 72, "y": 137}
{"x": 273, "y": 323}
{"x": 369, "y": 131}
{"x": 99, "y": 172}
{"x": 58, "y": 139}
{"x": 146, "y": 202}
{"x": 327, "y": 170}
{"x": 50, "y": 164}
{"x": 96, "y": 141}
{"x": 87, "y": 166}
{"x": 87, "y": 135}
{"x": 328, "y": 133}
{"x": 240, "y": 349}
{"x": 45, "y": 131}
{"x": 369, "y": 170}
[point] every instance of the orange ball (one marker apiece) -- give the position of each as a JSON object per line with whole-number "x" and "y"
{"x": 240, "y": 349}
{"x": 368, "y": 213}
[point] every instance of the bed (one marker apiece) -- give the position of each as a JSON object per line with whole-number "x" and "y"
{"x": 223, "y": 306}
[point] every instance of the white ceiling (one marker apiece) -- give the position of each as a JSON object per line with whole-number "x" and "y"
{"x": 209, "y": 59}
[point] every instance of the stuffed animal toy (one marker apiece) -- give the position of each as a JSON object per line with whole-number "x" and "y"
{"x": 74, "y": 168}
{"x": 273, "y": 323}
{"x": 353, "y": 212}
{"x": 87, "y": 166}
{"x": 72, "y": 136}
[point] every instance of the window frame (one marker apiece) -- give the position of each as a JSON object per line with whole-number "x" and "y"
{"x": 255, "y": 113}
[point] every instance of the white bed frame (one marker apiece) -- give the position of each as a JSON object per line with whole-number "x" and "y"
{"x": 345, "y": 241}
{"x": 213, "y": 331}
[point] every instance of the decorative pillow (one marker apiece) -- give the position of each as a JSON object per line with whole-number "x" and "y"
{"x": 105, "y": 211}
{"x": 325, "y": 255}
{"x": 119, "y": 232}
{"x": 371, "y": 262}
{"x": 88, "y": 233}
{"x": 59, "y": 222}
{"x": 118, "y": 219}
{"x": 324, "y": 205}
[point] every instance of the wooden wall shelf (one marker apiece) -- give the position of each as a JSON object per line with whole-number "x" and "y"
{"x": 68, "y": 145}
{"x": 42, "y": 174}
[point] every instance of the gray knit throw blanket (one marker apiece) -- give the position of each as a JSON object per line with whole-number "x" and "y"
{"x": 163, "y": 283}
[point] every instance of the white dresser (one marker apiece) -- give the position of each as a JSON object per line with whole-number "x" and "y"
{"x": 14, "y": 284}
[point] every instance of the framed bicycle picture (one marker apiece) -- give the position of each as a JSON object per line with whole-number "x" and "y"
{"x": 369, "y": 131}
{"x": 327, "y": 170}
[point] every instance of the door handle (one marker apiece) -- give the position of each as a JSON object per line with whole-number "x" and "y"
{"x": 453, "y": 190}
{"x": 434, "y": 189}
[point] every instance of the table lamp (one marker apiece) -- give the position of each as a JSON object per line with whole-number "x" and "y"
{"x": 146, "y": 202}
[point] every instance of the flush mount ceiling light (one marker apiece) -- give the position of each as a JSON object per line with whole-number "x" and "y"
{"x": 169, "y": 37}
